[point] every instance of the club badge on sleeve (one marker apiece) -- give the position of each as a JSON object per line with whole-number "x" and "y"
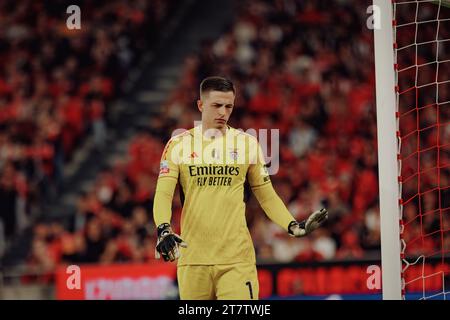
{"x": 164, "y": 167}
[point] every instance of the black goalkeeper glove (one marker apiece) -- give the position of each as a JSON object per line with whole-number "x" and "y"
{"x": 168, "y": 243}
{"x": 305, "y": 227}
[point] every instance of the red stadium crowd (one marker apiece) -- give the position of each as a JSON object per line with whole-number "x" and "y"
{"x": 298, "y": 67}
{"x": 55, "y": 86}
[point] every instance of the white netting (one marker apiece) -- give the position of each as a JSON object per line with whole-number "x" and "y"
{"x": 422, "y": 65}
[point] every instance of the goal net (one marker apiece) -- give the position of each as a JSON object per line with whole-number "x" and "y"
{"x": 421, "y": 74}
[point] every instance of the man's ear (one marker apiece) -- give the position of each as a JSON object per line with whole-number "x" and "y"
{"x": 200, "y": 105}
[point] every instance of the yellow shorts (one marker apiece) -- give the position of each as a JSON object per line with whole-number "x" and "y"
{"x": 222, "y": 282}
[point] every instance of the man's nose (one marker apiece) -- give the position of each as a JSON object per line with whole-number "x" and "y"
{"x": 221, "y": 111}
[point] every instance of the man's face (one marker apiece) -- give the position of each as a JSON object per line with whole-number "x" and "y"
{"x": 216, "y": 108}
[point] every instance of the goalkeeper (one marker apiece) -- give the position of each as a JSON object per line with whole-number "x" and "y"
{"x": 216, "y": 257}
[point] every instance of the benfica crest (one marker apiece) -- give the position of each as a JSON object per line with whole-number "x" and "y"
{"x": 234, "y": 154}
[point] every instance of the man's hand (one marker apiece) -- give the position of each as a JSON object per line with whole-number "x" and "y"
{"x": 314, "y": 221}
{"x": 167, "y": 244}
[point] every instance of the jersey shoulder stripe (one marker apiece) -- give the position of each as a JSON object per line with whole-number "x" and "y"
{"x": 174, "y": 140}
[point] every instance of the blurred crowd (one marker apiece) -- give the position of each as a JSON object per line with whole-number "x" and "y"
{"x": 298, "y": 67}
{"x": 55, "y": 88}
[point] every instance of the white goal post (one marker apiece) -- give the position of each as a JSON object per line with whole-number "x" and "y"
{"x": 388, "y": 167}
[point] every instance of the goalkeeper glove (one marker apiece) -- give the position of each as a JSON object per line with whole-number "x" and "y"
{"x": 167, "y": 244}
{"x": 305, "y": 227}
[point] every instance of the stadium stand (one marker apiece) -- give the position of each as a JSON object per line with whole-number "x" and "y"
{"x": 316, "y": 86}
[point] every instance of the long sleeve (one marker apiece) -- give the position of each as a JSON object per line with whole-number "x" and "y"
{"x": 165, "y": 187}
{"x": 272, "y": 205}
{"x": 162, "y": 204}
{"x": 262, "y": 188}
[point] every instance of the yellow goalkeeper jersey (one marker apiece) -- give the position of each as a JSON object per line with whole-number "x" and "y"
{"x": 213, "y": 173}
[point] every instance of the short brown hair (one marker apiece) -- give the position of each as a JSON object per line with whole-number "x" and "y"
{"x": 216, "y": 84}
